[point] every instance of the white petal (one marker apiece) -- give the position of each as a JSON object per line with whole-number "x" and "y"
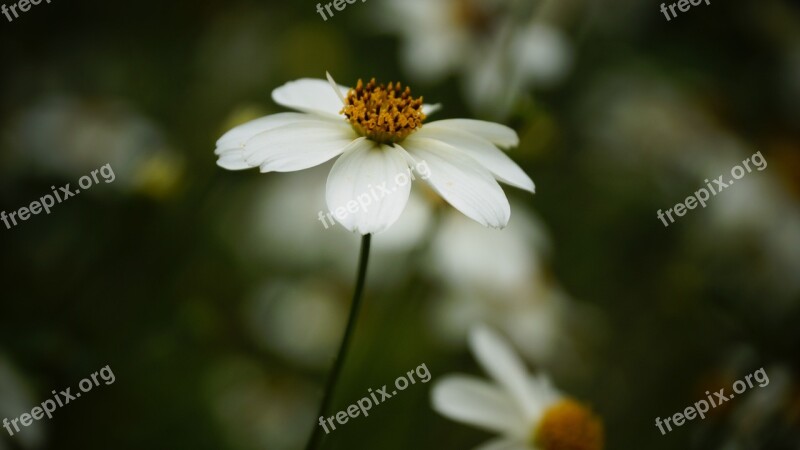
{"x": 335, "y": 87}
{"x": 504, "y": 444}
{"x": 310, "y": 95}
{"x": 231, "y": 146}
{"x": 368, "y": 186}
{"x": 478, "y": 403}
{"x": 233, "y": 161}
{"x": 500, "y": 361}
{"x": 484, "y": 152}
{"x": 462, "y": 181}
{"x": 298, "y": 146}
{"x": 237, "y": 136}
{"x": 431, "y": 109}
{"x": 499, "y": 135}
{"x": 544, "y": 395}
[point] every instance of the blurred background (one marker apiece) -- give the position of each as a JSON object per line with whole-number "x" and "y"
{"x": 218, "y": 299}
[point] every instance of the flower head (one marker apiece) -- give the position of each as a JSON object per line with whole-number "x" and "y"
{"x": 378, "y": 135}
{"x": 528, "y": 412}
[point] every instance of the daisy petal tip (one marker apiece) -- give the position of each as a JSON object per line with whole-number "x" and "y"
{"x": 267, "y": 167}
{"x": 480, "y": 332}
{"x": 232, "y": 165}
{"x": 335, "y": 87}
{"x": 482, "y": 336}
{"x": 441, "y": 394}
{"x": 511, "y": 139}
{"x": 529, "y": 186}
{"x": 431, "y": 109}
{"x": 495, "y": 225}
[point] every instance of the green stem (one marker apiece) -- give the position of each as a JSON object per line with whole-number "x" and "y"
{"x": 333, "y": 377}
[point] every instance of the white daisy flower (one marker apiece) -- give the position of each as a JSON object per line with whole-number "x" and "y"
{"x": 377, "y": 132}
{"x": 528, "y": 412}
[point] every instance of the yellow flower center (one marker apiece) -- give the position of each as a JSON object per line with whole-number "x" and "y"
{"x": 568, "y": 425}
{"x": 383, "y": 113}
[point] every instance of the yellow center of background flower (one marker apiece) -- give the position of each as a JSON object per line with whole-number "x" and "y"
{"x": 476, "y": 19}
{"x": 568, "y": 425}
{"x": 383, "y": 113}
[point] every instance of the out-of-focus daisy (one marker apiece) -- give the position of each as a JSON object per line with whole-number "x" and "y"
{"x": 500, "y": 278}
{"x": 764, "y": 415}
{"x": 16, "y": 397}
{"x": 377, "y": 132}
{"x": 648, "y": 130}
{"x": 547, "y": 326}
{"x": 494, "y": 44}
{"x": 756, "y": 225}
{"x": 493, "y": 263}
{"x": 647, "y": 125}
{"x": 528, "y": 412}
{"x": 70, "y": 136}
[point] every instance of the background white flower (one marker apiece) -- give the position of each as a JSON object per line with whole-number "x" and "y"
{"x": 16, "y": 397}
{"x": 502, "y": 278}
{"x": 528, "y": 412}
{"x": 496, "y": 46}
{"x": 92, "y": 132}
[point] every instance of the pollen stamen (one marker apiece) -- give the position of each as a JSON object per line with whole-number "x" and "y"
{"x": 383, "y": 113}
{"x": 568, "y": 425}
